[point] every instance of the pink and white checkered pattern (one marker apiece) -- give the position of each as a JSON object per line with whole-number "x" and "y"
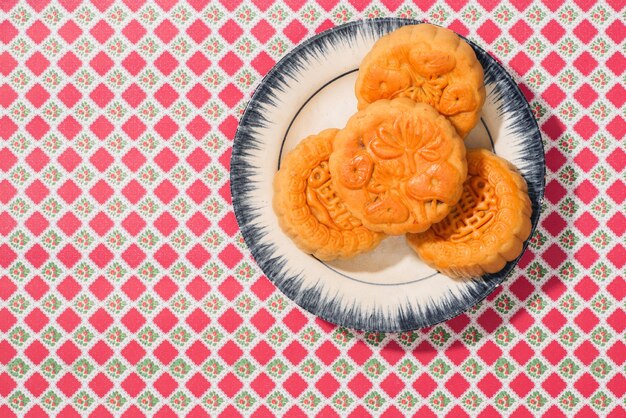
{"x": 125, "y": 285}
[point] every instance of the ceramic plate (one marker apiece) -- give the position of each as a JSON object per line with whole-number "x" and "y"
{"x": 388, "y": 289}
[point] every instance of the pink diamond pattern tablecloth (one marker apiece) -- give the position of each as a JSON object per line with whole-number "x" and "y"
{"x": 125, "y": 285}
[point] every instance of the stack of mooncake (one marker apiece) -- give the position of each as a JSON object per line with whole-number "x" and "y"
{"x": 400, "y": 165}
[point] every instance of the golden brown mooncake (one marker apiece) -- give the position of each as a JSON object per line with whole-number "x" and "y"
{"x": 399, "y": 166}
{"x": 487, "y": 228}
{"x": 308, "y": 209}
{"x": 428, "y": 64}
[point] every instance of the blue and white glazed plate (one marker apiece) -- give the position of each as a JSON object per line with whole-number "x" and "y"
{"x": 388, "y": 289}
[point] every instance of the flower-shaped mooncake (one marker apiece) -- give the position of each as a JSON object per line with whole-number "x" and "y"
{"x": 487, "y": 228}
{"x": 428, "y": 64}
{"x": 308, "y": 208}
{"x": 399, "y": 166}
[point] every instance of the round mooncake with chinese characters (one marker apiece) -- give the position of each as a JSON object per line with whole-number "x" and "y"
{"x": 428, "y": 64}
{"x": 308, "y": 208}
{"x": 399, "y": 166}
{"x": 487, "y": 228}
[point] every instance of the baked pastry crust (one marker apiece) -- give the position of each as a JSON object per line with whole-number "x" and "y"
{"x": 308, "y": 209}
{"x": 428, "y": 64}
{"x": 399, "y": 166}
{"x": 487, "y": 228}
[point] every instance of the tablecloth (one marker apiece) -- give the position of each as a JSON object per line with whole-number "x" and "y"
{"x": 126, "y": 288}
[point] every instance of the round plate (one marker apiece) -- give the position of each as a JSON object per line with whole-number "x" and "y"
{"x": 388, "y": 289}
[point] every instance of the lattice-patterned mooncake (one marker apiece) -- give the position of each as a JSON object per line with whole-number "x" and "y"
{"x": 399, "y": 166}
{"x": 487, "y": 228}
{"x": 428, "y": 64}
{"x": 308, "y": 208}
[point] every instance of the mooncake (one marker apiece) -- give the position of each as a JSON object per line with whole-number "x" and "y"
{"x": 308, "y": 208}
{"x": 487, "y": 228}
{"x": 399, "y": 166}
{"x": 428, "y": 64}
